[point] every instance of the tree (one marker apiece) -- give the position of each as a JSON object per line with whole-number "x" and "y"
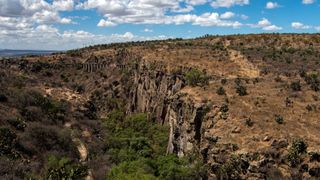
{"x": 196, "y": 77}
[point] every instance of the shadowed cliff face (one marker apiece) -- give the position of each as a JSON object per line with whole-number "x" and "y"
{"x": 157, "y": 92}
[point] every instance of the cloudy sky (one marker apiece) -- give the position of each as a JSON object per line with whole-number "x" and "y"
{"x": 67, "y": 24}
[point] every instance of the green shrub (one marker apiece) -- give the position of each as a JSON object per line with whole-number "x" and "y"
{"x": 223, "y": 81}
{"x": 138, "y": 146}
{"x": 221, "y": 91}
{"x": 224, "y": 108}
{"x": 231, "y": 169}
{"x": 63, "y": 168}
{"x": 241, "y": 90}
{"x": 298, "y": 148}
{"x": 139, "y": 169}
{"x": 91, "y": 110}
{"x": 294, "y": 158}
{"x": 296, "y": 86}
{"x": 279, "y": 119}
{"x": 79, "y": 88}
{"x": 196, "y": 77}
{"x": 164, "y": 167}
{"x": 313, "y": 81}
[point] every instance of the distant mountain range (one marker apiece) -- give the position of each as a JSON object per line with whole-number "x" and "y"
{"x": 16, "y": 53}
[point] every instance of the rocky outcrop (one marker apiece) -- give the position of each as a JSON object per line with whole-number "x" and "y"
{"x": 156, "y": 91}
{"x": 185, "y": 119}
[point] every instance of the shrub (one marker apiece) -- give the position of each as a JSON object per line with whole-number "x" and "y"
{"x": 91, "y": 110}
{"x": 294, "y": 158}
{"x": 63, "y": 168}
{"x": 221, "y": 91}
{"x": 241, "y": 90}
{"x": 196, "y": 77}
{"x": 313, "y": 81}
{"x": 298, "y": 148}
{"x": 224, "y": 108}
{"x": 139, "y": 169}
{"x": 279, "y": 119}
{"x": 314, "y": 156}
{"x": 7, "y": 141}
{"x": 310, "y": 107}
{"x": 296, "y": 86}
{"x": 232, "y": 168}
{"x": 249, "y": 122}
{"x": 223, "y": 81}
{"x": 3, "y": 98}
{"x": 237, "y": 81}
{"x": 17, "y": 123}
{"x": 79, "y": 88}
{"x": 38, "y": 139}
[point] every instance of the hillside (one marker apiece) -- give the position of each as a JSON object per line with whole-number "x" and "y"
{"x": 215, "y": 107}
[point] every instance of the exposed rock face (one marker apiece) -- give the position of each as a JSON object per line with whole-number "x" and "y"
{"x": 156, "y": 92}
{"x": 185, "y": 120}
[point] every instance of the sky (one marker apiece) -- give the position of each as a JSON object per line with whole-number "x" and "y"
{"x": 69, "y": 24}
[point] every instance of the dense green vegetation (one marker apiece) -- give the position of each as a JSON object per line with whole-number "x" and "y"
{"x": 138, "y": 150}
{"x": 196, "y": 77}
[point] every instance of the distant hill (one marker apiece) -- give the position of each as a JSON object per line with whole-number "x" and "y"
{"x": 15, "y": 53}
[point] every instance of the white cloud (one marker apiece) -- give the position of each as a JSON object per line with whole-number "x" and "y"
{"x": 308, "y": 1}
{"x": 298, "y": 25}
{"x": 272, "y": 28}
{"x": 105, "y": 23}
{"x": 158, "y": 12}
{"x": 147, "y": 30}
{"x": 38, "y": 11}
{"x": 266, "y": 25}
{"x": 38, "y": 38}
{"x": 196, "y": 2}
{"x": 228, "y": 3}
{"x": 63, "y": 5}
{"x": 227, "y": 15}
{"x": 264, "y": 22}
{"x": 272, "y": 5}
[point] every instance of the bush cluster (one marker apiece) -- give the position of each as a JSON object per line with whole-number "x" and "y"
{"x": 138, "y": 146}
{"x": 196, "y": 77}
{"x": 298, "y": 148}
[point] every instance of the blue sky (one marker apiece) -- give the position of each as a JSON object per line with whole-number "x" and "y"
{"x": 67, "y": 24}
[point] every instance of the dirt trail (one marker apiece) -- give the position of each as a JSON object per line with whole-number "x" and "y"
{"x": 247, "y": 69}
{"x": 82, "y": 149}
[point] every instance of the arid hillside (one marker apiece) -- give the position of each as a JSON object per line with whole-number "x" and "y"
{"x": 215, "y": 107}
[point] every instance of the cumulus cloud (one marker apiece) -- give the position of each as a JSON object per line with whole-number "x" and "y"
{"x": 298, "y": 25}
{"x": 228, "y": 3}
{"x": 301, "y": 26}
{"x": 38, "y": 38}
{"x": 227, "y": 15}
{"x": 38, "y": 11}
{"x": 63, "y": 5}
{"x": 105, "y": 23}
{"x": 308, "y": 1}
{"x": 266, "y": 25}
{"x": 272, "y": 5}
